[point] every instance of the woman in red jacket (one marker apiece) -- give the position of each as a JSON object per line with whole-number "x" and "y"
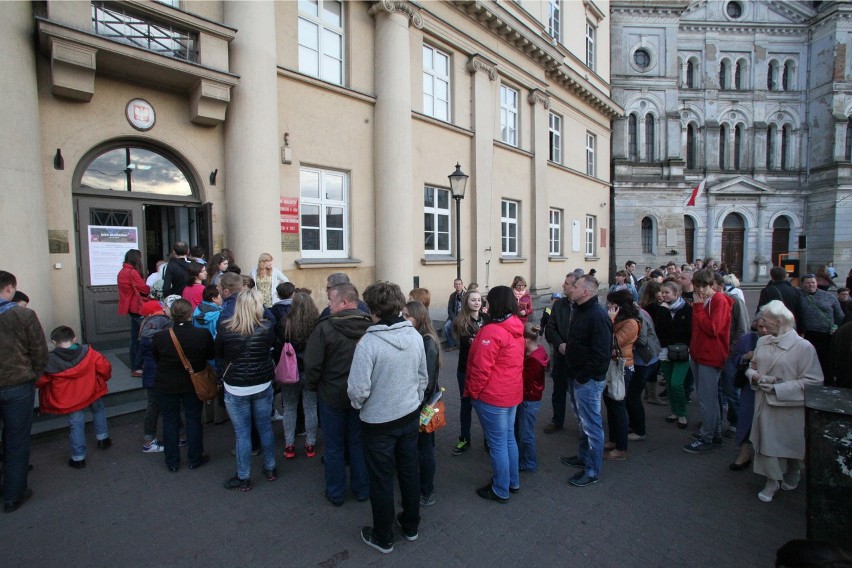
{"x": 495, "y": 385}
{"x": 522, "y": 295}
{"x": 132, "y": 290}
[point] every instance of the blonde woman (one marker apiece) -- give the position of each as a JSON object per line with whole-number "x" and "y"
{"x": 267, "y": 278}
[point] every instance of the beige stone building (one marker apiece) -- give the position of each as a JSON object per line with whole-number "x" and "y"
{"x": 320, "y": 131}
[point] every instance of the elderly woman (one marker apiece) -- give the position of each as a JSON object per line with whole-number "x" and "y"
{"x": 782, "y": 365}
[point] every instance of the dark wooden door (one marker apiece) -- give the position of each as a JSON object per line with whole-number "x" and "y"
{"x": 732, "y": 250}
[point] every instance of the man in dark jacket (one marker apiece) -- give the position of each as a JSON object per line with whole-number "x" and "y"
{"x": 556, "y": 333}
{"x": 779, "y": 288}
{"x": 24, "y": 350}
{"x": 587, "y": 355}
{"x": 328, "y": 358}
{"x": 454, "y": 306}
{"x": 176, "y": 277}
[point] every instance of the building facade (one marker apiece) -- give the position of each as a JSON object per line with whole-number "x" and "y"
{"x": 319, "y": 131}
{"x": 752, "y": 96}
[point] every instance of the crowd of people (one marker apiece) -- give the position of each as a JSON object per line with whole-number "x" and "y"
{"x": 365, "y": 370}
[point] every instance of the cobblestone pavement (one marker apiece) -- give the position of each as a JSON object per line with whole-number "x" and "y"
{"x": 660, "y": 507}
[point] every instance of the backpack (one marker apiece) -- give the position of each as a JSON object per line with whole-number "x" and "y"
{"x": 287, "y": 370}
{"x": 157, "y": 288}
{"x": 647, "y": 343}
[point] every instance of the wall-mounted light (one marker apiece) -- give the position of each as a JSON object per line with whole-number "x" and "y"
{"x": 286, "y": 151}
{"x": 58, "y": 160}
{"x": 213, "y": 176}
{"x": 603, "y": 204}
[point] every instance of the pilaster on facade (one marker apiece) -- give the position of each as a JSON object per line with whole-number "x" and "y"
{"x": 478, "y": 63}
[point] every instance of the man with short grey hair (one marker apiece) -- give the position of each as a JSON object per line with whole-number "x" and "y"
{"x": 333, "y": 280}
{"x": 821, "y": 315}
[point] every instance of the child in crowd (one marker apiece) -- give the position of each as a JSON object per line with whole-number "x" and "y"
{"x": 156, "y": 318}
{"x": 535, "y": 362}
{"x": 546, "y": 314}
{"x": 206, "y": 314}
{"x": 279, "y": 309}
{"x": 75, "y": 379}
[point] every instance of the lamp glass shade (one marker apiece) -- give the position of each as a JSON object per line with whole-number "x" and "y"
{"x": 458, "y": 182}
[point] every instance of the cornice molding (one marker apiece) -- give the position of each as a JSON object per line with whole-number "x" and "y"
{"x": 401, "y": 6}
{"x": 480, "y": 63}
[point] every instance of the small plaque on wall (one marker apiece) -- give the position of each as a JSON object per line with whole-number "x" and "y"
{"x": 140, "y": 114}
{"x": 57, "y": 241}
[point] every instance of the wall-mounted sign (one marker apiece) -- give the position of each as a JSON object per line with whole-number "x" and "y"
{"x": 290, "y": 224}
{"x": 107, "y": 247}
{"x": 140, "y": 114}
{"x": 57, "y": 241}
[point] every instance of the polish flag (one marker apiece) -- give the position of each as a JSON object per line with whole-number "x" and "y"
{"x": 695, "y": 193}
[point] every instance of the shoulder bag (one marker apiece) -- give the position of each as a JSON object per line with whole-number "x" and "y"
{"x": 615, "y": 387}
{"x": 678, "y": 352}
{"x": 204, "y": 381}
{"x": 287, "y": 370}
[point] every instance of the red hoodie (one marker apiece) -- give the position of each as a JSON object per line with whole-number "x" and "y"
{"x": 495, "y": 366}
{"x": 76, "y": 383}
{"x": 711, "y": 331}
{"x": 535, "y": 364}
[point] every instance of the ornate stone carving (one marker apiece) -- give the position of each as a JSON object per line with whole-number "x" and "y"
{"x": 539, "y": 96}
{"x": 407, "y": 8}
{"x": 479, "y": 63}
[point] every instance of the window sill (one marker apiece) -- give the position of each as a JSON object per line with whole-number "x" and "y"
{"x": 439, "y": 259}
{"x": 593, "y": 258}
{"x": 513, "y": 259}
{"x": 556, "y": 258}
{"x": 326, "y": 262}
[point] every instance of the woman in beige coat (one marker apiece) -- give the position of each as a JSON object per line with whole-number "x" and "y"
{"x": 783, "y": 364}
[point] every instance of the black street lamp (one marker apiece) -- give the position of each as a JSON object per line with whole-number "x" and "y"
{"x": 458, "y": 183}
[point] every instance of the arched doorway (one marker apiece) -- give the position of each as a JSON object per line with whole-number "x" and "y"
{"x": 733, "y": 237}
{"x": 689, "y": 237}
{"x": 130, "y": 195}
{"x": 780, "y": 239}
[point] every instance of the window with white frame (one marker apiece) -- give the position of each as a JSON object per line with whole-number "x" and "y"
{"x": 508, "y": 115}
{"x": 555, "y": 138}
{"x": 591, "y": 32}
{"x": 436, "y": 83}
{"x": 554, "y": 20}
{"x": 323, "y": 213}
{"x": 591, "y": 224}
{"x": 436, "y": 220}
{"x": 591, "y": 142}
{"x": 509, "y": 227}
{"x": 555, "y": 232}
{"x": 321, "y": 39}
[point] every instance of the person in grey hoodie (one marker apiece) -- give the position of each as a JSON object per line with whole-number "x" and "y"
{"x": 386, "y": 384}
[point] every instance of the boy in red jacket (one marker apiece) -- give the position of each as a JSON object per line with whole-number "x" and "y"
{"x": 535, "y": 363}
{"x": 708, "y": 350}
{"x": 75, "y": 379}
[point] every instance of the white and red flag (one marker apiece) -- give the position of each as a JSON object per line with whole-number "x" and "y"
{"x": 699, "y": 189}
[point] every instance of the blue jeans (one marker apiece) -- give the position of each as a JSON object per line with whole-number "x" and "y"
{"x": 498, "y": 427}
{"x": 729, "y": 396}
{"x": 135, "y": 322}
{"x": 616, "y": 414}
{"x": 707, "y": 385}
{"x": 527, "y": 416}
{"x": 388, "y": 451}
{"x": 241, "y": 410}
{"x": 448, "y": 333}
{"x": 16, "y": 410}
{"x": 586, "y": 400}
{"x": 170, "y": 409}
{"x": 339, "y": 428}
{"x": 77, "y": 424}
{"x": 466, "y": 409}
{"x": 426, "y": 449}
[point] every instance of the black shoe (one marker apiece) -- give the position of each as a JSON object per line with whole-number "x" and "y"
{"x": 173, "y": 468}
{"x": 573, "y": 461}
{"x": 488, "y": 493}
{"x": 739, "y": 466}
{"x": 335, "y": 502}
{"x": 717, "y": 440}
{"x": 409, "y": 536}
{"x": 370, "y": 540}
{"x": 77, "y": 464}
{"x": 271, "y": 474}
{"x": 238, "y": 484}
{"x": 204, "y": 459}
{"x": 698, "y": 447}
{"x": 15, "y": 505}
{"x": 671, "y": 418}
{"x": 664, "y": 394}
{"x": 582, "y": 480}
{"x": 104, "y": 444}
{"x": 515, "y": 489}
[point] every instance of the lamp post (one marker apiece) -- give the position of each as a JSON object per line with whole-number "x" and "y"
{"x": 458, "y": 184}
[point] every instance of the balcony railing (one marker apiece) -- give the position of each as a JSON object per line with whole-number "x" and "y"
{"x": 118, "y": 25}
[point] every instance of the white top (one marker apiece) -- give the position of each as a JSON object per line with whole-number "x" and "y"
{"x": 247, "y": 391}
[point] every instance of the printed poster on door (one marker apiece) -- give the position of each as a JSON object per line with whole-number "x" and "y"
{"x": 107, "y": 247}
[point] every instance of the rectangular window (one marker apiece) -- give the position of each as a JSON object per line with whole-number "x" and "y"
{"x": 590, "y": 45}
{"x": 591, "y": 222}
{"x": 436, "y": 220}
{"x": 556, "y": 232}
{"x": 324, "y": 213}
{"x": 509, "y": 227}
{"x": 508, "y": 115}
{"x": 591, "y": 142}
{"x": 321, "y": 39}
{"x": 555, "y": 138}
{"x": 436, "y": 83}
{"x": 554, "y": 20}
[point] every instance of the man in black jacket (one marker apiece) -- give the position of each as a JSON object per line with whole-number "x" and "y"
{"x": 587, "y": 355}
{"x": 328, "y": 358}
{"x": 175, "y": 278}
{"x": 779, "y": 288}
{"x": 454, "y": 306}
{"x": 556, "y": 333}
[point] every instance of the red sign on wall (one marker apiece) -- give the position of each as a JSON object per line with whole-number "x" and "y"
{"x": 603, "y": 238}
{"x": 289, "y": 211}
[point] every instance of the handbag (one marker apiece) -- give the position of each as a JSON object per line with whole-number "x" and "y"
{"x": 433, "y": 415}
{"x": 615, "y": 387}
{"x": 204, "y": 381}
{"x": 287, "y": 369}
{"x": 678, "y": 352}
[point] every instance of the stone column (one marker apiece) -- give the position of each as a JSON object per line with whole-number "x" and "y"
{"x": 540, "y": 237}
{"x": 711, "y": 148}
{"x": 711, "y": 228}
{"x": 484, "y": 96}
{"x": 759, "y": 138}
{"x": 394, "y": 194}
{"x": 252, "y": 176}
{"x": 23, "y": 206}
{"x": 760, "y": 257}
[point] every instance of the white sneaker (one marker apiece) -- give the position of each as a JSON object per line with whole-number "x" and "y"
{"x": 277, "y": 416}
{"x": 152, "y": 447}
{"x": 769, "y": 490}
